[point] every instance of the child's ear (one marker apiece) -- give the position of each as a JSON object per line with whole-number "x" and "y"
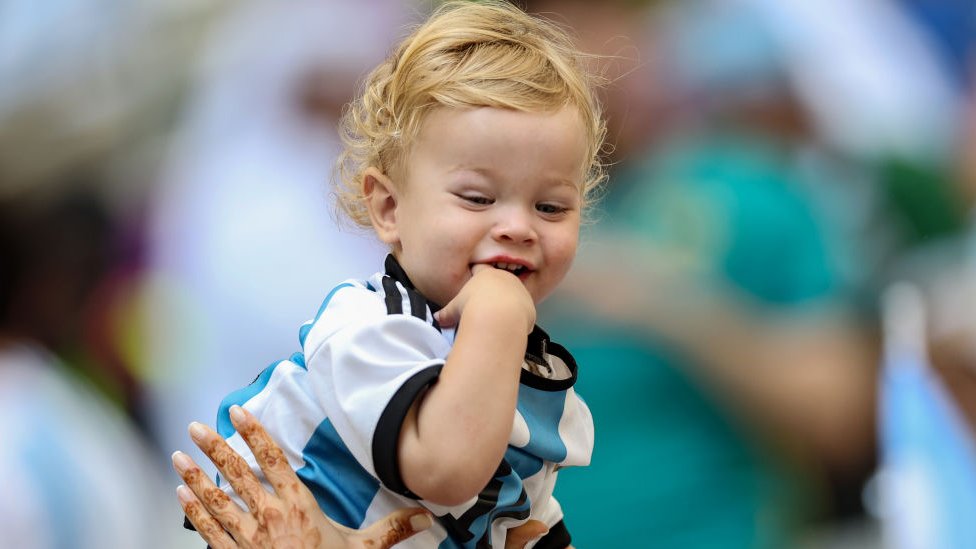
{"x": 381, "y": 201}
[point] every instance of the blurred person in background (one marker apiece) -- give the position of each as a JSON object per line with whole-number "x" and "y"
{"x": 725, "y": 302}
{"x": 67, "y": 452}
{"x": 80, "y": 111}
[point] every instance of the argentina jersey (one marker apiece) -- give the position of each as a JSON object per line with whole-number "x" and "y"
{"x": 337, "y": 407}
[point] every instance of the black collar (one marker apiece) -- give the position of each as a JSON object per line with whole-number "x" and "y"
{"x": 395, "y": 271}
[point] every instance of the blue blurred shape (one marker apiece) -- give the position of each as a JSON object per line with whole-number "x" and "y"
{"x": 928, "y": 475}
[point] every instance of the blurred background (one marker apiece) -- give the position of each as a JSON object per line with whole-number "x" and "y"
{"x": 774, "y": 305}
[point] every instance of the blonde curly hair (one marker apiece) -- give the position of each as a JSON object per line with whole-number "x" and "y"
{"x": 467, "y": 54}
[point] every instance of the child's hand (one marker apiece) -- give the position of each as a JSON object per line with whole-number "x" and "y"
{"x": 495, "y": 289}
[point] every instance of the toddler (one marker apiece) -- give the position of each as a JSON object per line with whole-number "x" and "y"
{"x": 471, "y": 152}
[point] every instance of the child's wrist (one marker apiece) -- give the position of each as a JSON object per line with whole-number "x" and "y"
{"x": 500, "y": 313}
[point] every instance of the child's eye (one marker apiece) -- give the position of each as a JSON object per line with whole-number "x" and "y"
{"x": 550, "y": 209}
{"x": 478, "y": 199}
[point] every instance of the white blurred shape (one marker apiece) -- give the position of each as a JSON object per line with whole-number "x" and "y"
{"x": 73, "y": 470}
{"x": 872, "y": 81}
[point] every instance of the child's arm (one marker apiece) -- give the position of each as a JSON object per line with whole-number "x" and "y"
{"x": 454, "y": 437}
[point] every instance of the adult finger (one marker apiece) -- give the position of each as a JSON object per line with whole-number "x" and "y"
{"x": 213, "y": 501}
{"x": 236, "y": 472}
{"x": 209, "y": 529}
{"x": 270, "y": 457}
{"x": 394, "y": 528}
{"x": 231, "y": 466}
{"x": 521, "y": 535}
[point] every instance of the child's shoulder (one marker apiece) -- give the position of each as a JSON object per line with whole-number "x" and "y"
{"x": 353, "y": 298}
{"x": 367, "y": 302}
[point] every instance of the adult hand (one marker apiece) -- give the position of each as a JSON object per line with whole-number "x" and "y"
{"x": 288, "y": 518}
{"x": 520, "y": 536}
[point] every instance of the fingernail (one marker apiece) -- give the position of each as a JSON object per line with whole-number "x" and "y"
{"x": 420, "y": 521}
{"x": 197, "y": 432}
{"x": 237, "y": 414}
{"x": 183, "y": 494}
{"x": 181, "y": 461}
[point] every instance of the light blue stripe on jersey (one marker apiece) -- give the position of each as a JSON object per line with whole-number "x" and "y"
{"x": 307, "y": 327}
{"x": 508, "y": 505}
{"x": 510, "y": 502}
{"x": 342, "y": 488}
{"x": 511, "y": 492}
{"x": 522, "y": 462}
{"x": 542, "y": 411}
{"x": 224, "y": 427}
{"x": 239, "y": 397}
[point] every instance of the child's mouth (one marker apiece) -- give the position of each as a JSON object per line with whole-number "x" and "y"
{"x": 515, "y": 269}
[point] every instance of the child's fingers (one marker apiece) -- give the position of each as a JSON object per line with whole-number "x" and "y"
{"x": 448, "y": 316}
{"x": 270, "y": 458}
{"x": 209, "y": 529}
{"x": 475, "y": 269}
{"x": 214, "y": 503}
{"x": 231, "y": 466}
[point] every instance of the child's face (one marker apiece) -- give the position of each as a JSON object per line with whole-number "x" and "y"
{"x": 490, "y": 185}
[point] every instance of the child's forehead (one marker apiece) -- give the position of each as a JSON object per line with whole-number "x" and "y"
{"x": 452, "y": 127}
{"x": 485, "y": 144}
{"x": 491, "y": 119}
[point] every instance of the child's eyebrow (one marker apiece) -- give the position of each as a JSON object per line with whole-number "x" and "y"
{"x": 485, "y": 172}
{"x": 488, "y": 173}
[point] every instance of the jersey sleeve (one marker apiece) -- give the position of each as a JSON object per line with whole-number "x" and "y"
{"x": 366, "y": 368}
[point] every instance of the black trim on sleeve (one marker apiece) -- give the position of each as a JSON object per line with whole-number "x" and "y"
{"x": 387, "y": 434}
{"x": 557, "y": 538}
{"x": 537, "y": 348}
{"x": 537, "y": 343}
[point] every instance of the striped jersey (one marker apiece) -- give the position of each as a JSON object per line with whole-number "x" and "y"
{"x": 336, "y": 409}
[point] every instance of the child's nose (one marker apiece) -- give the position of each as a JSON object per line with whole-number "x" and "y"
{"x": 516, "y": 227}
